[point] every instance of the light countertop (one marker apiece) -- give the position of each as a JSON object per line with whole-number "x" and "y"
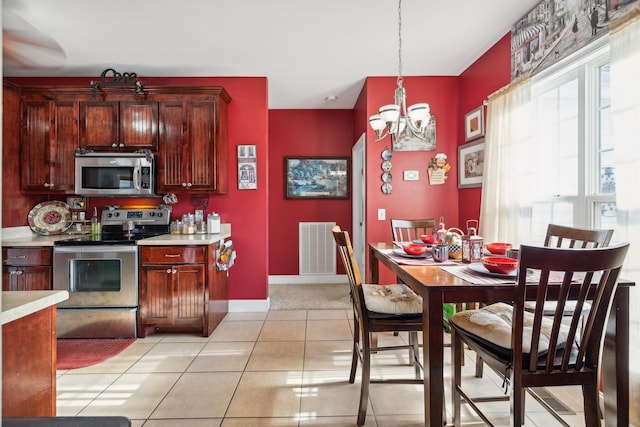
{"x": 24, "y": 237}
{"x": 18, "y": 304}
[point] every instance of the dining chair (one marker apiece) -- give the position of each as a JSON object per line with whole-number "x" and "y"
{"x": 378, "y": 308}
{"x": 529, "y": 349}
{"x": 407, "y": 230}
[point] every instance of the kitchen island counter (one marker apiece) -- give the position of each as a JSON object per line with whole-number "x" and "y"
{"x": 29, "y": 329}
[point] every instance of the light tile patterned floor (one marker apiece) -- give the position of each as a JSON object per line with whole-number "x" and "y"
{"x": 281, "y": 368}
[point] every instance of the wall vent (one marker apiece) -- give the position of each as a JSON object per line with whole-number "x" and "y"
{"x": 317, "y": 249}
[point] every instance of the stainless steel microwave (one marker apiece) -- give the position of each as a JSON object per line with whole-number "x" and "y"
{"x": 115, "y": 174}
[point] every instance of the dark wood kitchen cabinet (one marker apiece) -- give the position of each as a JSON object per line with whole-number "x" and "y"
{"x": 180, "y": 289}
{"x": 119, "y": 126}
{"x": 193, "y": 146}
{"x": 26, "y": 269}
{"x": 49, "y": 136}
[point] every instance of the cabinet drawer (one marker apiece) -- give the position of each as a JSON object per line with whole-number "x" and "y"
{"x": 173, "y": 255}
{"x": 26, "y": 256}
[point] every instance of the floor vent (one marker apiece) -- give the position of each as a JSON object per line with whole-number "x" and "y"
{"x": 552, "y": 401}
{"x": 317, "y": 250}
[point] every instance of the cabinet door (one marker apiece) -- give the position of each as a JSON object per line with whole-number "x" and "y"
{"x": 138, "y": 126}
{"x": 192, "y": 148}
{"x": 99, "y": 122}
{"x": 189, "y": 299}
{"x": 49, "y": 140}
{"x": 172, "y": 152}
{"x": 156, "y": 295}
{"x": 34, "y": 278}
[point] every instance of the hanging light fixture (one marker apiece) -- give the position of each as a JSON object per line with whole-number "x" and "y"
{"x": 396, "y": 119}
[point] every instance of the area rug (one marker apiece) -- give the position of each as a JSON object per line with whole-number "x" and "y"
{"x": 74, "y": 353}
{"x": 306, "y": 296}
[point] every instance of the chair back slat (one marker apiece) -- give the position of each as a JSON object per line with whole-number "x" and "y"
{"x": 567, "y": 274}
{"x": 406, "y": 230}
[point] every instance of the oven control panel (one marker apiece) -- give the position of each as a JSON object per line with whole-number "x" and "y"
{"x": 144, "y": 216}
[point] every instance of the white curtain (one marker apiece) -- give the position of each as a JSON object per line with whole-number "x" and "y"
{"x": 508, "y": 149}
{"x": 624, "y": 41}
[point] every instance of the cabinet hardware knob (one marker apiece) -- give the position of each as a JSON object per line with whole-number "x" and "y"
{"x": 168, "y": 271}
{"x": 19, "y": 272}
{"x": 189, "y": 184}
{"x": 171, "y": 255}
{"x": 174, "y": 271}
{"x": 121, "y": 145}
{"x": 48, "y": 185}
{"x": 114, "y": 145}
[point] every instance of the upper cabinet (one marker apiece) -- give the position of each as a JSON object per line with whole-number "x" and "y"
{"x": 185, "y": 126}
{"x": 193, "y": 148}
{"x": 49, "y": 135}
{"x": 119, "y": 126}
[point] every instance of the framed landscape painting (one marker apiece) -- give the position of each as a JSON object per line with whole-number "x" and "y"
{"x": 316, "y": 177}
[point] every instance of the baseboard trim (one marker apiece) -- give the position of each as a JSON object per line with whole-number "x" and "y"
{"x": 292, "y": 280}
{"x": 247, "y": 305}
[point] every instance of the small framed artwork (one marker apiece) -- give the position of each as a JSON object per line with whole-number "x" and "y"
{"x": 470, "y": 164}
{"x": 474, "y": 124}
{"x": 316, "y": 177}
{"x": 247, "y": 167}
{"x": 76, "y": 203}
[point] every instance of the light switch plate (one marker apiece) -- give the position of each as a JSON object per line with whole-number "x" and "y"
{"x": 411, "y": 175}
{"x": 382, "y": 214}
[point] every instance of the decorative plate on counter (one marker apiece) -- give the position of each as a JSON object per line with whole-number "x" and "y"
{"x": 49, "y": 218}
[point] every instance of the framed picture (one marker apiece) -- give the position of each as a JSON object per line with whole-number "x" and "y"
{"x": 76, "y": 203}
{"x": 474, "y": 124}
{"x": 407, "y": 142}
{"x": 316, "y": 177}
{"x": 470, "y": 164}
{"x": 247, "y": 167}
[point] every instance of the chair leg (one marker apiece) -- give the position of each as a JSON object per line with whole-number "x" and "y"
{"x": 414, "y": 352}
{"x": 591, "y": 405}
{"x": 479, "y": 366}
{"x": 355, "y": 356}
{"x": 517, "y": 403}
{"x": 366, "y": 377}
{"x": 457, "y": 347}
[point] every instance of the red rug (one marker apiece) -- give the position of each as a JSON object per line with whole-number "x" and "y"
{"x": 74, "y": 353}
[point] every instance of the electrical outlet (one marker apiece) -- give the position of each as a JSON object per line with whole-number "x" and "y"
{"x": 382, "y": 214}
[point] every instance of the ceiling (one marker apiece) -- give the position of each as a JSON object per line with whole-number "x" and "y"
{"x": 308, "y": 49}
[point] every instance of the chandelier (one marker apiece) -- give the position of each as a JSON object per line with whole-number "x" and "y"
{"x": 396, "y": 119}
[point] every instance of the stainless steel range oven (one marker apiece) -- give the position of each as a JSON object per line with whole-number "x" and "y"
{"x": 101, "y": 274}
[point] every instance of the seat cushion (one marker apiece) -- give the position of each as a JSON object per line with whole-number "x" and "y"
{"x": 550, "y": 307}
{"x": 392, "y": 299}
{"x": 492, "y": 326}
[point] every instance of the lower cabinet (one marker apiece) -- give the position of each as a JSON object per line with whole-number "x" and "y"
{"x": 26, "y": 269}
{"x": 179, "y": 291}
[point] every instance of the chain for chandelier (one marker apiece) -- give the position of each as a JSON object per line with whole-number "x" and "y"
{"x": 396, "y": 119}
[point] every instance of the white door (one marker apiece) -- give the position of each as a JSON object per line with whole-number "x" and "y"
{"x": 358, "y": 189}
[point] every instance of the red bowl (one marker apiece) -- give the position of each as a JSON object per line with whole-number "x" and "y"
{"x": 414, "y": 248}
{"x": 498, "y": 248}
{"x": 428, "y": 239}
{"x": 499, "y": 264}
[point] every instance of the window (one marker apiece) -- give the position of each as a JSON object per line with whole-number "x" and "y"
{"x": 574, "y": 158}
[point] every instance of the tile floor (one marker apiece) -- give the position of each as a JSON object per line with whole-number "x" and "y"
{"x": 280, "y": 368}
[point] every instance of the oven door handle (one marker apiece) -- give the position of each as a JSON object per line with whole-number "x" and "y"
{"x": 95, "y": 249}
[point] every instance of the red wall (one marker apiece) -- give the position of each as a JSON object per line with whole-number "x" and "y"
{"x": 411, "y": 199}
{"x": 303, "y": 133}
{"x": 246, "y": 210}
{"x": 488, "y": 74}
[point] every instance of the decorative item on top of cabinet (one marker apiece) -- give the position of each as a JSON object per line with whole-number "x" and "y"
{"x": 26, "y": 269}
{"x": 49, "y": 139}
{"x": 193, "y": 145}
{"x": 118, "y": 125}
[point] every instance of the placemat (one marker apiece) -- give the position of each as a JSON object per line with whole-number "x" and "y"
{"x": 414, "y": 261}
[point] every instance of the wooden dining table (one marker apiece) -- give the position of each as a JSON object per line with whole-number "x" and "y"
{"x": 438, "y": 286}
